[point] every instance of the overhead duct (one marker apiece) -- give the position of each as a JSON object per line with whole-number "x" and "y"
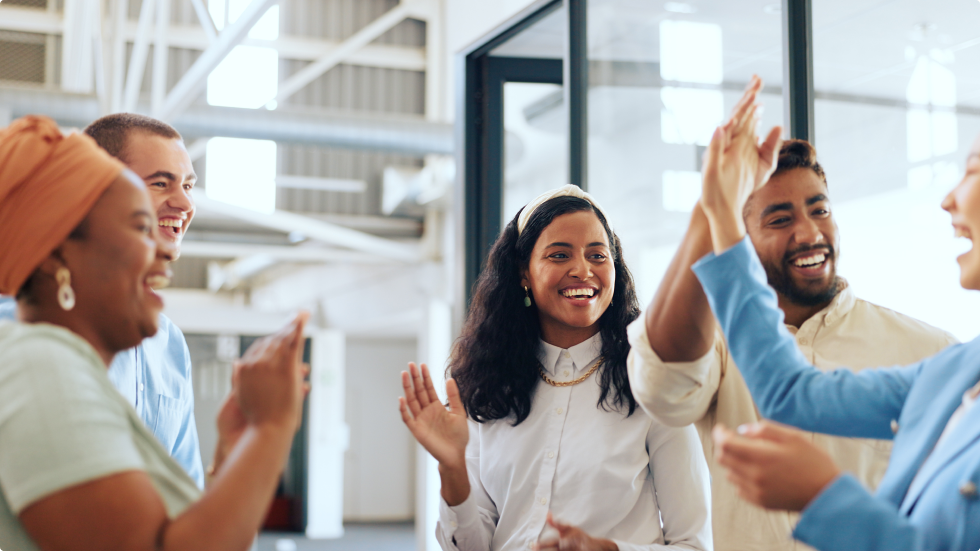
{"x": 395, "y": 134}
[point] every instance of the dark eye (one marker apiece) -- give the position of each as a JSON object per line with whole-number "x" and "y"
{"x": 559, "y": 256}
{"x": 598, "y": 256}
{"x": 158, "y": 184}
{"x": 779, "y": 221}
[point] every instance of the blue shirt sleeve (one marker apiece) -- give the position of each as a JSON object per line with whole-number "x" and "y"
{"x": 786, "y": 388}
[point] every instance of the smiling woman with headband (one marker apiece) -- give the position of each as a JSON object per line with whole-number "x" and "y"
{"x": 541, "y": 419}
{"x": 80, "y": 249}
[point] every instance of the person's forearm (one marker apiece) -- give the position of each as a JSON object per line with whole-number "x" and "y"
{"x": 679, "y": 322}
{"x": 231, "y": 511}
{"x": 455, "y": 484}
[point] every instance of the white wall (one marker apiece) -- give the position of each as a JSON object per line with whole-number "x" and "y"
{"x": 379, "y": 467}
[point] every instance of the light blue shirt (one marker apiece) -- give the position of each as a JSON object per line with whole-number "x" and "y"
{"x": 911, "y": 404}
{"x": 155, "y": 378}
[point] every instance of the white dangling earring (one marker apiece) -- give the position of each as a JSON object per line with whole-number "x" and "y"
{"x": 66, "y": 296}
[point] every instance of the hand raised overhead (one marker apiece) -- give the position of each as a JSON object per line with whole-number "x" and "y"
{"x": 735, "y": 165}
{"x": 442, "y": 432}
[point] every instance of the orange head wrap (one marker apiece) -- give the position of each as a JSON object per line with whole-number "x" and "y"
{"x": 48, "y": 184}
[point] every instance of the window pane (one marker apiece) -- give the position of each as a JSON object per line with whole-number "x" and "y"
{"x": 662, "y": 77}
{"x": 897, "y": 109}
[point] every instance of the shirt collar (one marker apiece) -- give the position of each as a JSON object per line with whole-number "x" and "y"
{"x": 840, "y": 306}
{"x": 582, "y": 354}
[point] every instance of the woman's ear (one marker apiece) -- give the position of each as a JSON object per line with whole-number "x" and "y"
{"x": 52, "y": 263}
{"x": 525, "y": 282}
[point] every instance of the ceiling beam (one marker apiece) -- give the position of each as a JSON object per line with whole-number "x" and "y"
{"x": 193, "y": 37}
{"x": 325, "y": 232}
{"x": 193, "y": 82}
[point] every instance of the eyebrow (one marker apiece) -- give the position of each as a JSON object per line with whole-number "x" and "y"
{"x": 169, "y": 176}
{"x": 789, "y": 206}
{"x": 569, "y": 245}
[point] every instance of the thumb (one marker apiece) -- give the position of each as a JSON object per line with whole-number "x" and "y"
{"x": 769, "y": 150}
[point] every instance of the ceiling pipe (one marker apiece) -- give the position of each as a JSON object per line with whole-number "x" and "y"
{"x": 395, "y": 134}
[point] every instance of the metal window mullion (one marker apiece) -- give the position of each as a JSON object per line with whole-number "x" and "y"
{"x": 576, "y": 77}
{"x": 798, "y": 68}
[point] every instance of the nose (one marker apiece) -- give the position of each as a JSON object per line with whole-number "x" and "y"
{"x": 181, "y": 199}
{"x": 949, "y": 202}
{"x": 580, "y": 268}
{"x": 807, "y": 231}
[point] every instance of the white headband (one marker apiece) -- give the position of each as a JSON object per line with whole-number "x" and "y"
{"x": 567, "y": 190}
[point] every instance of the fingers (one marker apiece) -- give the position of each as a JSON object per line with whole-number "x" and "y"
{"x": 410, "y": 396}
{"x": 769, "y": 151}
{"x": 767, "y": 430}
{"x": 296, "y": 333}
{"x": 430, "y": 389}
{"x": 420, "y": 393}
{"x": 740, "y": 111}
{"x": 406, "y": 418}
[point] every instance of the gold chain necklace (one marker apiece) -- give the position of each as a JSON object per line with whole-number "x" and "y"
{"x": 544, "y": 375}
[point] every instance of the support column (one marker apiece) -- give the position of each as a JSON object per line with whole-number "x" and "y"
{"x": 798, "y": 69}
{"x": 328, "y": 437}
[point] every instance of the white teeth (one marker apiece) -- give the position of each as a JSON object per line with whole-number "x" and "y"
{"x": 158, "y": 281}
{"x": 810, "y": 260}
{"x": 174, "y": 223}
{"x": 960, "y": 232}
{"x": 578, "y": 292}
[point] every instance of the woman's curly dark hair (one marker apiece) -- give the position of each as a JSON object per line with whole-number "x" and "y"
{"x": 495, "y": 360}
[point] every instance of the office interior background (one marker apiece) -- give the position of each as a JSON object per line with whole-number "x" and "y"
{"x": 357, "y": 157}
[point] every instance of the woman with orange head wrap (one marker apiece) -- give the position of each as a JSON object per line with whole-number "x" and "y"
{"x": 78, "y": 470}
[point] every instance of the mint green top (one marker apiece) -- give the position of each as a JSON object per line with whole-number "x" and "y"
{"x": 63, "y": 423}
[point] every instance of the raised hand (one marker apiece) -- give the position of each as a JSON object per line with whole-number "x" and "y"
{"x": 268, "y": 379}
{"x": 572, "y": 538}
{"x": 735, "y": 165}
{"x": 772, "y": 466}
{"x": 442, "y": 432}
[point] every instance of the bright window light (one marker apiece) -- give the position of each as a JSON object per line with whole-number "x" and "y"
{"x": 242, "y": 173}
{"x": 918, "y": 135}
{"x": 690, "y": 52}
{"x": 690, "y": 115}
{"x": 931, "y": 132}
{"x": 681, "y": 190}
{"x": 249, "y": 76}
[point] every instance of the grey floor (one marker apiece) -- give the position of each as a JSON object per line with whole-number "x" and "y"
{"x": 357, "y": 537}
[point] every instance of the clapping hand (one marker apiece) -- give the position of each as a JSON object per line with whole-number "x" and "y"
{"x": 735, "y": 165}
{"x": 572, "y": 538}
{"x": 773, "y": 466}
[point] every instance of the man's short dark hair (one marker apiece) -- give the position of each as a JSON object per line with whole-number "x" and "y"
{"x": 798, "y": 154}
{"x": 111, "y": 132}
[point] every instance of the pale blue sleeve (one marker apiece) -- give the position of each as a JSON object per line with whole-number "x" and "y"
{"x": 786, "y": 388}
{"x": 187, "y": 448}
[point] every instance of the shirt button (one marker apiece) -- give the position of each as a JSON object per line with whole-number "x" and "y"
{"x": 551, "y": 454}
{"x": 559, "y": 410}
{"x": 566, "y": 354}
{"x": 452, "y": 523}
{"x": 894, "y": 426}
{"x": 968, "y": 490}
{"x": 804, "y": 342}
{"x": 565, "y": 372}
{"x": 141, "y": 387}
{"x": 544, "y": 501}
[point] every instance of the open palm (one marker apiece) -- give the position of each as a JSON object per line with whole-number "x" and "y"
{"x": 442, "y": 432}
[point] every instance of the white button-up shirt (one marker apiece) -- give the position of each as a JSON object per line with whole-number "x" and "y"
{"x": 849, "y": 332}
{"x": 613, "y": 476}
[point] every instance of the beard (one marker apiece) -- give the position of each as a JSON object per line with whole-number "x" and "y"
{"x": 780, "y": 278}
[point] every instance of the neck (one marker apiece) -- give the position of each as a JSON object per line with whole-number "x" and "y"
{"x": 28, "y": 313}
{"x": 567, "y": 337}
{"x": 795, "y": 314}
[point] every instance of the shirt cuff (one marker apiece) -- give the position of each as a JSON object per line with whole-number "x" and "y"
{"x": 718, "y": 265}
{"x": 640, "y": 343}
{"x": 459, "y": 516}
{"x": 825, "y": 511}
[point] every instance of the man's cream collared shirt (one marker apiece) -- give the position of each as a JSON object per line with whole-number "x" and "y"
{"x": 849, "y": 332}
